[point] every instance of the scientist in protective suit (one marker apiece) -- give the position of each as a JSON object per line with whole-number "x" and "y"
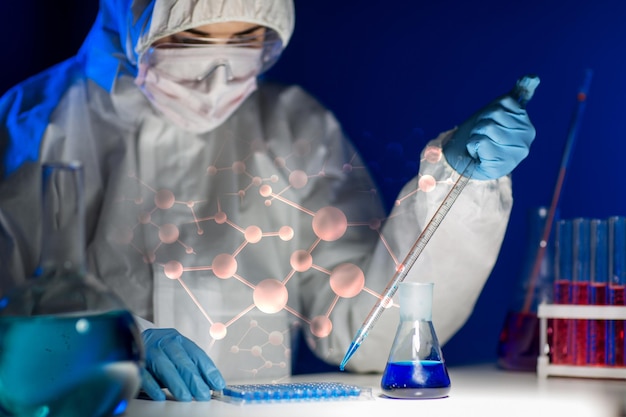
{"x": 229, "y": 213}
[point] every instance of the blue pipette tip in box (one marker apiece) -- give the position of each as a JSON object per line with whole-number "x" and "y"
{"x": 292, "y": 391}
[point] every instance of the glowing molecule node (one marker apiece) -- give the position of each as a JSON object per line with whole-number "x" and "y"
{"x": 168, "y": 233}
{"x": 164, "y": 199}
{"x": 220, "y": 217}
{"x": 173, "y": 270}
{"x": 347, "y": 168}
{"x": 224, "y": 266}
{"x": 298, "y": 179}
{"x": 330, "y": 224}
{"x": 286, "y": 233}
{"x": 211, "y": 170}
{"x": 301, "y": 260}
{"x": 238, "y": 167}
{"x": 270, "y": 296}
{"x": 218, "y": 331}
{"x": 280, "y": 162}
{"x": 256, "y": 351}
{"x": 427, "y": 183}
{"x": 321, "y": 326}
{"x": 276, "y": 338}
{"x": 432, "y": 154}
{"x": 265, "y": 190}
{"x": 253, "y": 234}
{"x": 375, "y": 224}
{"x": 347, "y": 280}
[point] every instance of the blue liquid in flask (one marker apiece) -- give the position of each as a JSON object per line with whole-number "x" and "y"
{"x": 68, "y": 365}
{"x": 415, "y": 368}
{"x": 423, "y": 379}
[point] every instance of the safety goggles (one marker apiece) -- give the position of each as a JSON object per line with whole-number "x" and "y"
{"x": 194, "y": 58}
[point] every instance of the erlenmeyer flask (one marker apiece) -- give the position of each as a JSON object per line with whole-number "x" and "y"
{"x": 518, "y": 344}
{"x": 415, "y": 368}
{"x": 68, "y": 346}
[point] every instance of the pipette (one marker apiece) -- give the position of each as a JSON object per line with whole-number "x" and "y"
{"x": 581, "y": 98}
{"x": 522, "y": 93}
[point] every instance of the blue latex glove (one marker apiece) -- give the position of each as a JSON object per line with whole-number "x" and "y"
{"x": 498, "y": 137}
{"x": 178, "y": 364}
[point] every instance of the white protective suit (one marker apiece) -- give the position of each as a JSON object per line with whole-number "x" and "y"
{"x": 236, "y": 237}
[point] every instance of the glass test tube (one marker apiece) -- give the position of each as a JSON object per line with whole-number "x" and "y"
{"x": 579, "y": 328}
{"x": 562, "y": 294}
{"x": 598, "y": 329}
{"x": 617, "y": 283}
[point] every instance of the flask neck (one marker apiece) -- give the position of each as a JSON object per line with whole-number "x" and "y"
{"x": 63, "y": 219}
{"x": 416, "y": 301}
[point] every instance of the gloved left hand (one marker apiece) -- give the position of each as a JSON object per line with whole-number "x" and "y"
{"x": 498, "y": 137}
{"x": 178, "y": 364}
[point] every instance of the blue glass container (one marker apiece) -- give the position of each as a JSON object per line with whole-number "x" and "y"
{"x": 415, "y": 368}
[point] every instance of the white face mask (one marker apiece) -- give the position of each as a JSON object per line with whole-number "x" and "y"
{"x": 198, "y": 88}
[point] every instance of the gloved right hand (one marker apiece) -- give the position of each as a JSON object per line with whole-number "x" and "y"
{"x": 498, "y": 137}
{"x": 178, "y": 364}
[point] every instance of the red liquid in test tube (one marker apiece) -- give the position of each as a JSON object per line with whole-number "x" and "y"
{"x": 599, "y": 264}
{"x": 598, "y": 328}
{"x": 581, "y": 256}
{"x": 560, "y": 336}
{"x": 617, "y": 283}
{"x": 580, "y": 331}
{"x": 560, "y": 350}
{"x": 616, "y": 328}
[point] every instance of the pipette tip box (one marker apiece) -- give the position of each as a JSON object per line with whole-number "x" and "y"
{"x": 292, "y": 392}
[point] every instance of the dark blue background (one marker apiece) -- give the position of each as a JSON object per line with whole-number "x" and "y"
{"x": 397, "y": 73}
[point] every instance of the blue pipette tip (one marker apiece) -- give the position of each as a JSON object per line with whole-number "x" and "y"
{"x": 353, "y": 347}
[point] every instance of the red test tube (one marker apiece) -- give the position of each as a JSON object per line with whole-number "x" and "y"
{"x": 617, "y": 283}
{"x": 579, "y": 328}
{"x": 598, "y": 329}
{"x": 560, "y": 350}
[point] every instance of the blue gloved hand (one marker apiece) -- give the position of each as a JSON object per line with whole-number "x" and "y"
{"x": 498, "y": 137}
{"x": 178, "y": 364}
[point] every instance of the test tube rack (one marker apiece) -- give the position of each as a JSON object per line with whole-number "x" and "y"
{"x": 581, "y": 312}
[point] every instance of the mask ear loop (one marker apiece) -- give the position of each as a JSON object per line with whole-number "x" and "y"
{"x": 142, "y": 69}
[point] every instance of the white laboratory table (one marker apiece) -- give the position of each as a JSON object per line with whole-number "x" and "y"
{"x": 477, "y": 390}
